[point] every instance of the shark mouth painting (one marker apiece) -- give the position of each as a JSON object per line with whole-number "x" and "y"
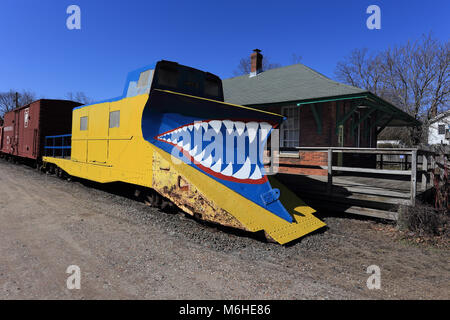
{"x": 226, "y": 149}
{"x": 224, "y": 142}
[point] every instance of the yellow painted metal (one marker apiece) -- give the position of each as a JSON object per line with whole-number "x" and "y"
{"x": 170, "y": 181}
{"x": 253, "y": 217}
{"x": 104, "y": 154}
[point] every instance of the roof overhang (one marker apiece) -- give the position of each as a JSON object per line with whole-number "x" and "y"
{"x": 440, "y": 116}
{"x": 391, "y": 116}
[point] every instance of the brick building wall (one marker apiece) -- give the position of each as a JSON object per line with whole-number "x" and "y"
{"x": 309, "y": 162}
{"x": 309, "y": 136}
{"x": 328, "y": 137}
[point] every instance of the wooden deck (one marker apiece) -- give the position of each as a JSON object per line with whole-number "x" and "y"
{"x": 365, "y": 195}
{"x": 375, "y": 192}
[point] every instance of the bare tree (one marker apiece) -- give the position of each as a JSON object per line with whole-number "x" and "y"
{"x": 414, "y": 76}
{"x": 296, "y": 58}
{"x": 79, "y": 97}
{"x": 245, "y": 66}
{"x": 8, "y": 100}
{"x": 361, "y": 70}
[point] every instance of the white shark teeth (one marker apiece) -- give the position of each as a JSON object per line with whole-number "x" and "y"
{"x": 216, "y": 125}
{"x": 256, "y": 174}
{"x": 185, "y": 135}
{"x": 193, "y": 152}
{"x": 265, "y": 129}
{"x": 228, "y": 171}
{"x": 205, "y": 125}
{"x": 217, "y": 166}
{"x": 207, "y": 162}
{"x": 240, "y": 126}
{"x": 200, "y": 156}
{"x": 252, "y": 129}
{"x": 244, "y": 172}
{"x": 229, "y": 125}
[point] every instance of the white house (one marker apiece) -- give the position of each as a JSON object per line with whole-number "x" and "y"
{"x": 439, "y": 129}
{"x": 390, "y": 144}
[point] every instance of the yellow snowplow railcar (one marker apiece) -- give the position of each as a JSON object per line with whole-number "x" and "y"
{"x": 171, "y": 132}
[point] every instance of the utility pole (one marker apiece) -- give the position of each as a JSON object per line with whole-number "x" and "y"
{"x": 17, "y": 99}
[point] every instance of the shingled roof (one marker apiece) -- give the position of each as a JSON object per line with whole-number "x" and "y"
{"x": 298, "y": 84}
{"x": 292, "y": 83}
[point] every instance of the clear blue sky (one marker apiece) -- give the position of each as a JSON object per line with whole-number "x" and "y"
{"x": 39, "y": 53}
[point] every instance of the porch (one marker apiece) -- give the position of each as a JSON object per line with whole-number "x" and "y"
{"x": 398, "y": 178}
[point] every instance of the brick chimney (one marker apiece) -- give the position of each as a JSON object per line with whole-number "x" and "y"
{"x": 256, "y": 62}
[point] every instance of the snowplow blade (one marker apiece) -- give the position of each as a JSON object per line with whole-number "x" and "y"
{"x": 208, "y": 161}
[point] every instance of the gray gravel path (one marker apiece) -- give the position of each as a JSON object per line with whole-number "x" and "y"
{"x": 126, "y": 250}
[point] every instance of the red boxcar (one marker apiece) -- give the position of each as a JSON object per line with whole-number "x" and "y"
{"x": 25, "y": 128}
{"x": 1, "y": 138}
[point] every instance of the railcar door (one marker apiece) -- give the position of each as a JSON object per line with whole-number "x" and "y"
{"x": 98, "y": 134}
{"x": 26, "y": 133}
{"x": 80, "y": 122}
{"x": 35, "y": 143}
{"x": 1, "y": 139}
{"x": 15, "y": 143}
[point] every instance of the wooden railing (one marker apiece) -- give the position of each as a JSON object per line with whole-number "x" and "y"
{"x": 415, "y": 162}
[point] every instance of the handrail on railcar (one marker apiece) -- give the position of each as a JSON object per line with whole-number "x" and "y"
{"x": 58, "y": 146}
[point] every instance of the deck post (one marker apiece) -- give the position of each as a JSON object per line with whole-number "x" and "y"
{"x": 413, "y": 176}
{"x": 330, "y": 172}
{"x": 425, "y": 172}
{"x": 433, "y": 166}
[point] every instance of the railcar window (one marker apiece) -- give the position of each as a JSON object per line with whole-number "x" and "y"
{"x": 168, "y": 77}
{"x": 83, "y": 123}
{"x": 212, "y": 88}
{"x": 142, "y": 86}
{"x": 143, "y": 79}
{"x": 186, "y": 80}
{"x": 114, "y": 119}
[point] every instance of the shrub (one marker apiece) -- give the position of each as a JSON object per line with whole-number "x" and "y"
{"x": 422, "y": 219}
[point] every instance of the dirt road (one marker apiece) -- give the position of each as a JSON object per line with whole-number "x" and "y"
{"x": 129, "y": 251}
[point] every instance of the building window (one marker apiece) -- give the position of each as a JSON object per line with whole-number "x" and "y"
{"x": 83, "y": 123}
{"x": 441, "y": 129}
{"x": 290, "y": 129}
{"x": 114, "y": 119}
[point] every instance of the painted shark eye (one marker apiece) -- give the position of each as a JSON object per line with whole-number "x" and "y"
{"x": 226, "y": 149}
